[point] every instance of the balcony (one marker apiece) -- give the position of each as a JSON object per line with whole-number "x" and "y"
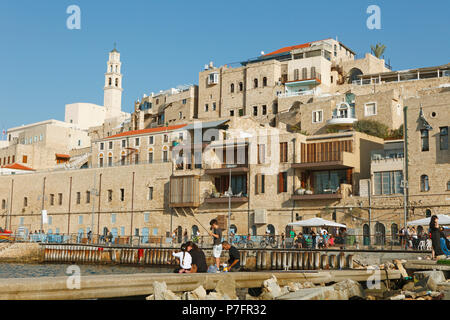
{"x": 222, "y": 169}
{"x": 342, "y": 191}
{"x": 224, "y": 199}
{"x": 340, "y": 120}
{"x": 296, "y": 94}
{"x": 327, "y": 161}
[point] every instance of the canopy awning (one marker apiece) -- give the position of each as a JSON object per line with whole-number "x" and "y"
{"x": 317, "y": 222}
{"x": 442, "y": 220}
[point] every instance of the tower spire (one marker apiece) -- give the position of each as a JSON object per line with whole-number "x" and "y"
{"x": 113, "y": 85}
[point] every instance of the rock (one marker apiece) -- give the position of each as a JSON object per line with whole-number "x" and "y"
{"x": 150, "y": 297}
{"x": 398, "y": 297}
{"x": 409, "y": 294}
{"x": 408, "y": 286}
{"x": 431, "y": 279}
{"x": 227, "y": 286}
{"x": 308, "y": 284}
{"x": 294, "y": 286}
{"x": 348, "y": 289}
{"x": 370, "y": 298}
{"x": 318, "y": 293}
{"x": 399, "y": 265}
{"x": 284, "y": 290}
{"x": 271, "y": 287}
{"x": 249, "y": 297}
{"x": 199, "y": 293}
{"x": 214, "y": 296}
{"x": 190, "y": 296}
{"x": 158, "y": 290}
{"x": 169, "y": 295}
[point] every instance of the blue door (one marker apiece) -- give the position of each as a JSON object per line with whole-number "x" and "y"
{"x": 145, "y": 233}
{"x": 115, "y": 234}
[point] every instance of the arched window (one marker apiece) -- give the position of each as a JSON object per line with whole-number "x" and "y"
{"x": 117, "y": 82}
{"x": 313, "y": 72}
{"x": 264, "y": 82}
{"x": 241, "y": 86}
{"x": 380, "y": 233}
{"x": 233, "y": 229}
{"x": 100, "y": 160}
{"x": 296, "y": 74}
{"x": 255, "y": 83}
{"x": 354, "y": 75}
{"x": 110, "y": 159}
{"x": 232, "y": 88}
{"x": 424, "y": 183}
{"x": 110, "y": 81}
{"x": 428, "y": 213}
{"x": 270, "y": 229}
{"x": 394, "y": 232}
{"x": 366, "y": 235}
{"x": 448, "y": 185}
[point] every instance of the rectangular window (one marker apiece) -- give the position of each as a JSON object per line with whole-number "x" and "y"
{"x": 150, "y": 193}
{"x": 136, "y": 142}
{"x": 122, "y": 194}
{"x": 261, "y": 153}
{"x": 25, "y": 202}
{"x": 260, "y": 183}
{"x": 113, "y": 218}
{"x": 206, "y": 107}
{"x": 52, "y": 199}
{"x": 283, "y": 152}
{"x": 50, "y": 220}
{"x": 388, "y": 182}
{"x": 150, "y": 157}
{"x": 124, "y": 143}
{"x": 214, "y": 106}
{"x": 110, "y": 161}
{"x": 443, "y": 138}
{"x": 110, "y": 195}
{"x": 282, "y": 182}
{"x": 102, "y": 146}
{"x": 255, "y": 111}
{"x": 24, "y": 159}
{"x": 21, "y": 221}
{"x": 317, "y": 116}
{"x": 370, "y": 109}
{"x": 425, "y": 140}
{"x": 241, "y": 112}
{"x": 264, "y": 109}
{"x": 146, "y": 216}
{"x": 231, "y": 113}
{"x": 165, "y": 156}
{"x": 150, "y": 140}
{"x": 60, "y": 199}
{"x": 110, "y": 145}
{"x": 80, "y": 219}
{"x": 78, "y": 197}
{"x": 122, "y": 231}
{"x": 166, "y": 138}
{"x": 88, "y": 197}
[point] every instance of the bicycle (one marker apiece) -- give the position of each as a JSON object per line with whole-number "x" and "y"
{"x": 270, "y": 240}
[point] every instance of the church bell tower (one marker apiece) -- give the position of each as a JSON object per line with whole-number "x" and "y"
{"x": 113, "y": 85}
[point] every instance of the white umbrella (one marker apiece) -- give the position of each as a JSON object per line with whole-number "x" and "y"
{"x": 442, "y": 219}
{"x": 317, "y": 222}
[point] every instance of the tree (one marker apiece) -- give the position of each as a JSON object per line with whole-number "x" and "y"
{"x": 378, "y": 49}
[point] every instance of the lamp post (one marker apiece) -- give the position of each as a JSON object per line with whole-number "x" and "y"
{"x": 230, "y": 192}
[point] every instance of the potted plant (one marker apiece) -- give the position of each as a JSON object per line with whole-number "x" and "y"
{"x": 308, "y": 189}
{"x": 300, "y": 191}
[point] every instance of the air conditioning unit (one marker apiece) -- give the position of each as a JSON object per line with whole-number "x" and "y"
{"x": 260, "y": 216}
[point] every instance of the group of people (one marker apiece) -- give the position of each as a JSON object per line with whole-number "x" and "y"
{"x": 192, "y": 258}
{"x": 410, "y": 237}
{"x": 320, "y": 240}
{"x": 440, "y": 244}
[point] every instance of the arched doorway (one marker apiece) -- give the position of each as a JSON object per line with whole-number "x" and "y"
{"x": 353, "y": 75}
{"x": 233, "y": 229}
{"x": 254, "y": 230}
{"x": 394, "y": 233}
{"x": 366, "y": 235}
{"x": 270, "y": 229}
{"x": 380, "y": 234}
{"x": 195, "y": 230}
{"x": 428, "y": 213}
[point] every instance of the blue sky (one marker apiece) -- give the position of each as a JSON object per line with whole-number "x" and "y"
{"x": 166, "y": 43}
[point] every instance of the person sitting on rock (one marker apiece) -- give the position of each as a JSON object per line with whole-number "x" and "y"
{"x": 185, "y": 260}
{"x": 234, "y": 261}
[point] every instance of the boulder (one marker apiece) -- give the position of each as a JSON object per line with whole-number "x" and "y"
{"x": 214, "y": 296}
{"x": 150, "y": 297}
{"x": 189, "y": 296}
{"x": 408, "y": 286}
{"x": 319, "y": 293}
{"x": 271, "y": 287}
{"x": 429, "y": 279}
{"x": 348, "y": 289}
{"x": 199, "y": 293}
{"x": 398, "y": 297}
{"x": 158, "y": 290}
{"x": 308, "y": 284}
{"x": 169, "y": 295}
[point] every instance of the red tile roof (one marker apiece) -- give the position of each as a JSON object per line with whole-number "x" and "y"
{"x": 60, "y": 155}
{"x": 17, "y": 166}
{"x": 144, "y": 131}
{"x": 290, "y": 48}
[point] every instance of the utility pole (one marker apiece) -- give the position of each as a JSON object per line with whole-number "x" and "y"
{"x": 405, "y": 165}
{"x": 42, "y": 205}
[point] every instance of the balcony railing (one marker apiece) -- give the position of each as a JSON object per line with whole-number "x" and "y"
{"x": 296, "y": 94}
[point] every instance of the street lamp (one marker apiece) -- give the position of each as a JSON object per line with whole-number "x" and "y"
{"x": 230, "y": 192}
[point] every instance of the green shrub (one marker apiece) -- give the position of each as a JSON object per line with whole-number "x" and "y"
{"x": 371, "y": 127}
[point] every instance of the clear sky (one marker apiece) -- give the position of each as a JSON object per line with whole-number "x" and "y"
{"x": 165, "y": 43}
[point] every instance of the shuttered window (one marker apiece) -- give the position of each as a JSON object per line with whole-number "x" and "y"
{"x": 283, "y": 152}
{"x": 282, "y": 182}
{"x": 260, "y": 183}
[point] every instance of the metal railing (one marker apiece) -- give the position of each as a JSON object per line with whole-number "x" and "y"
{"x": 378, "y": 241}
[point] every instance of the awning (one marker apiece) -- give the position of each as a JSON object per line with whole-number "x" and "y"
{"x": 442, "y": 220}
{"x": 62, "y": 156}
{"x": 317, "y": 222}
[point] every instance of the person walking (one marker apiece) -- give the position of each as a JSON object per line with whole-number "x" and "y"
{"x": 216, "y": 233}
{"x": 436, "y": 252}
